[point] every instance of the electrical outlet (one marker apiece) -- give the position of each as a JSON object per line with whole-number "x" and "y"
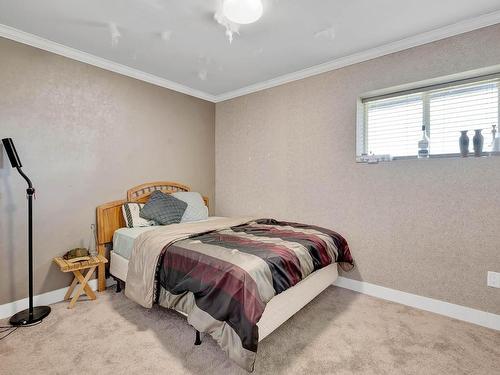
{"x": 494, "y": 279}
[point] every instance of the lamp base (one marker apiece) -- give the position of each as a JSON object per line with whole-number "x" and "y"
{"x": 23, "y": 318}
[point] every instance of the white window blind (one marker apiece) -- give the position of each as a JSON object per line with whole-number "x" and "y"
{"x": 462, "y": 108}
{"x": 393, "y": 123}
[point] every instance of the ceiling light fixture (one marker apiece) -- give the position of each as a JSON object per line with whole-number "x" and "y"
{"x": 243, "y": 11}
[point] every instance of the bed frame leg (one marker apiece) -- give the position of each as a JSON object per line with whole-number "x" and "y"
{"x": 118, "y": 285}
{"x": 197, "y": 341}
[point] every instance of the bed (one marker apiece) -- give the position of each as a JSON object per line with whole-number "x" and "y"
{"x": 119, "y": 244}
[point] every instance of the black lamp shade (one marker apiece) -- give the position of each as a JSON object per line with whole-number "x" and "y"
{"x": 8, "y": 144}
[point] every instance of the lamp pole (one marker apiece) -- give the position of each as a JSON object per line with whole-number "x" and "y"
{"x": 32, "y": 314}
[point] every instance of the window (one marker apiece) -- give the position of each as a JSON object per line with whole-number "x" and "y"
{"x": 392, "y": 124}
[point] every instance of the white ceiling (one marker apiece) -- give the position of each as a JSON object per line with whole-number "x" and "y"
{"x": 179, "y": 40}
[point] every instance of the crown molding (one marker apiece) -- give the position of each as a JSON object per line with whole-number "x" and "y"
{"x": 386, "y": 49}
{"x": 74, "y": 54}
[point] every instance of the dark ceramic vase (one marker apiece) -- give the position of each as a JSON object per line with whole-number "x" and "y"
{"x": 464, "y": 144}
{"x": 478, "y": 141}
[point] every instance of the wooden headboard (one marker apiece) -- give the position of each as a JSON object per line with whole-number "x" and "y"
{"x": 110, "y": 218}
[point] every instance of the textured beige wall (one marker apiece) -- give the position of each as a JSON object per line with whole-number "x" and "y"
{"x": 427, "y": 227}
{"x": 84, "y": 136}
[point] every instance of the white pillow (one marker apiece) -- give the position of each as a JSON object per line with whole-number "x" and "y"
{"x": 131, "y": 211}
{"x": 196, "y": 209}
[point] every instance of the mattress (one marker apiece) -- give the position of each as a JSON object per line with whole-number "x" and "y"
{"x": 281, "y": 308}
{"x": 123, "y": 238}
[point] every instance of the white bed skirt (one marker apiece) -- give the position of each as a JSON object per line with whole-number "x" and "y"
{"x": 280, "y": 308}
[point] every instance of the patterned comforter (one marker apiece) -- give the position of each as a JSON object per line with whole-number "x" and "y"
{"x": 223, "y": 278}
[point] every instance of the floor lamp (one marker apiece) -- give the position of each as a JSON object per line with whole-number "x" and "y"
{"x": 32, "y": 314}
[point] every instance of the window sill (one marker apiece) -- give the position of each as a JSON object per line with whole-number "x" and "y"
{"x": 383, "y": 158}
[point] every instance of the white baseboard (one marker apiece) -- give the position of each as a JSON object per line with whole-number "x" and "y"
{"x": 48, "y": 298}
{"x": 451, "y": 310}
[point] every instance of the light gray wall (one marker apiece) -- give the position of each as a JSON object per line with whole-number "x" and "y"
{"x": 85, "y": 136}
{"x": 428, "y": 227}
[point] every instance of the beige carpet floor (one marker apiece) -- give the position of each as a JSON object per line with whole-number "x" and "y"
{"x": 340, "y": 332}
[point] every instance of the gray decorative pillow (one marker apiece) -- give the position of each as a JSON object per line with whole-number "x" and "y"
{"x": 163, "y": 208}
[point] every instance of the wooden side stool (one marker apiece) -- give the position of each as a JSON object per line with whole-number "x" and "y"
{"x": 89, "y": 265}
